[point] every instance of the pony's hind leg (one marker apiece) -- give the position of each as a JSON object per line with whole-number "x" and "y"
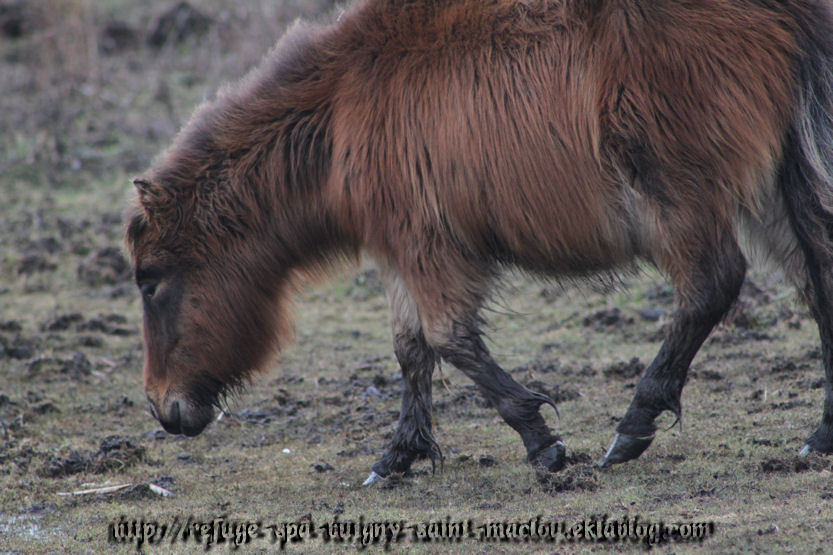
{"x": 793, "y": 233}
{"x": 517, "y": 405}
{"x": 813, "y": 226}
{"x": 707, "y": 268}
{"x": 413, "y": 438}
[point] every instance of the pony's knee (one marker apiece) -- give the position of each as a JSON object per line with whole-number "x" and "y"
{"x": 413, "y": 352}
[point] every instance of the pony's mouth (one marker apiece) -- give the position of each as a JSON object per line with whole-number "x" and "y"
{"x": 180, "y": 417}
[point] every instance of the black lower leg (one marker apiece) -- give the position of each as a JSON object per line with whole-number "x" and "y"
{"x": 517, "y": 405}
{"x": 822, "y": 439}
{"x": 660, "y": 388}
{"x": 812, "y": 225}
{"x": 413, "y": 438}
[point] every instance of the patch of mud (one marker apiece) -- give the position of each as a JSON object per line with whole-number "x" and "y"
{"x": 260, "y": 415}
{"x": 487, "y": 461}
{"x": 281, "y": 405}
{"x": 137, "y": 492}
{"x": 35, "y": 263}
{"x": 109, "y": 324}
{"x": 20, "y": 18}
{"x": 395, "y": 480}
{"x": 661, "y": 294}
{"x": 654, "y": 314}
{"x": 578, "y": 457}
{"x": 178, "y": 24}
{"x": 576, "y": 477}
{"x": 376, "y": 386}
{"x": 608, "y": 320}
{"x": 106, "y": 266}
{"x": 62, "y": 322}
{"x": 466, "y": 396}
{"x": 116, "y": 37}
{"x": 542, "y": 367}
{"x": 77, "y": 367}
{"x": 796, "y": 464}
{"x": 708, "y": 375}
{"x": 625, "y": 370}
{"x": 790, "y": 405}
{"x": 114, "y": 453}
{"x": 11, "y": 325}
{"x": 322, "y": 467}
{"x": 726, "y": 335}
{"x": 17, "y": 348}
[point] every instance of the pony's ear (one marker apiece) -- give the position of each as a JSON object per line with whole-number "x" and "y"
{"x": 143, "y": 186}
{"x": 145, "y": 189}
{"x": 150, "y": 194}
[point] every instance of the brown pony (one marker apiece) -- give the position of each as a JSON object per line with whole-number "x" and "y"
{"x": 451, "y": 139}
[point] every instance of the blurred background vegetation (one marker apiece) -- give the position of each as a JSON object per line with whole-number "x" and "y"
{"x": 90, "y": 92}
{"x": 92, "y": 89}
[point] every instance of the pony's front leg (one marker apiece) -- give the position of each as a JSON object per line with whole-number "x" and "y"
{"x": 413, "y": 438}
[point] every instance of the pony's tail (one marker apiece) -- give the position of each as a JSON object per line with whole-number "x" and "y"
{"x": 807, "y": 167}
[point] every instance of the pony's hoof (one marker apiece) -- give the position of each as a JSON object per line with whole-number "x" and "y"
{"x": 815, "y": 446}
{"x": 372, "y": 479}
{"x": 625, "y": 448}
{"x": 552, "y": 458}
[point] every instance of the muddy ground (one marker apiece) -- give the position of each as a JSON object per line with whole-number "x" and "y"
{"x": 90, "y": 91}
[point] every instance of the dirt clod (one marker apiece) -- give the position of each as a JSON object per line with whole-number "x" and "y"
{"x": 323, "y": 467}
{"x": 62, "y": 322}
{"x": 114, "y": 453}
{"x": 177, "y": 24}
{"x": 709, "y": 375}
{"x": 137, "y": 492}
{"x": 106, "y": 266}
{"x": 557, "y": 393}
{"x": 625, "y": 370}
{"x": 487, "y": 460}
{"x": 116, "y": 37}
{"x": 578, "y": 477}
{"x": 795, "y": 464}
{"x": 607, "y": 320}
{"x": 10, "y": 325}
{"x": 34, "y": 264}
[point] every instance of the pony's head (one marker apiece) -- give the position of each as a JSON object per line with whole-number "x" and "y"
{"x": 212, "y": 299}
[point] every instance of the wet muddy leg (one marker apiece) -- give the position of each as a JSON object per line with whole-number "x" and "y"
{"x": 813, "y": 227}
{"x": 704, "y": 297}
{"x": 413, "y": 438}
{"x": 517, "y": 405}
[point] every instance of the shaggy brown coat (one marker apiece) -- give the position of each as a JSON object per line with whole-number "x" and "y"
{"x": 450, "y": 139}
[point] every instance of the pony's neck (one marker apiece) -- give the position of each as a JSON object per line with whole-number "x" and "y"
{"x": 273, "y": 131}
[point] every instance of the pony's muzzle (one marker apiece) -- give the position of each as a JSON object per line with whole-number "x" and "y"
{"x": 178, "y": 416}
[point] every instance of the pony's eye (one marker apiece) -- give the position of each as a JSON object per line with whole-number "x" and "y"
{"x": 148, "y": 289}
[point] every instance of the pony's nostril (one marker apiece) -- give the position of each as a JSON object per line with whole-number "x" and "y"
{"x": 172, "y": 421}
{"x": 176, "y": 416}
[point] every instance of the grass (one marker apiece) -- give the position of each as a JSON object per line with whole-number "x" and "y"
{"x": 298, "y": 443}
